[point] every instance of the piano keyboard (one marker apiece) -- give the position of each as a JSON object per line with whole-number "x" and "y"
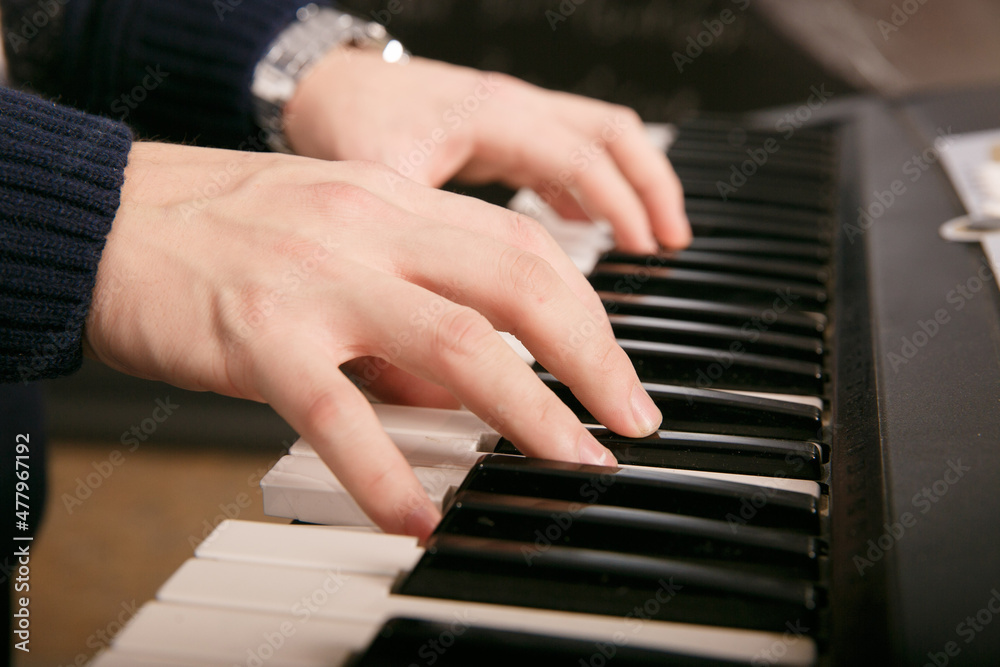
{"x": 709, "y": 544}
{"x": 307, "y": 595}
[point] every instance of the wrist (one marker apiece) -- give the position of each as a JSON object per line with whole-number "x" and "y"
{"x": 294, "y": 54}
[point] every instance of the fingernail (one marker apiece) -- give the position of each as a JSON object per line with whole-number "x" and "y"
{"x": 647, "y": 416}
{"x": 421, "y": 522}
{"x": 594, "y": 453}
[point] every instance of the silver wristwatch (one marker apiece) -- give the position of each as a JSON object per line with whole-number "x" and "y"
{"x": 315, "y": 32}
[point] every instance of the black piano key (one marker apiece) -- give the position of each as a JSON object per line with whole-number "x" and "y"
{"x": 718, "y": 226}
{"x": 741, "y": 455}
{"x": 666, "y": 363}
{"x": 726, "y": 262}
{"x": 711, "y": 411}
{"x": 793, "y": 166}
{"x": 769, "y": 551}
{"x": 771, "y": 293}
{"x": 461, "y": 643}
{"x": 681, "y": 332}
{"x": 600, "y": 582}
{"x": 758, "y": 188}
{"x": 799, "y": 251}
{"x": 803, "y": 323}
{"x": 656, "y": 490}
{"x": 807, "y": 222}
{"x": 818, "y": 140}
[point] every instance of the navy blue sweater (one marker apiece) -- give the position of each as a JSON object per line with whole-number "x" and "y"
{"x": 175, "y": 69}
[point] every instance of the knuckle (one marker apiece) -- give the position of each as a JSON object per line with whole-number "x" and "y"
{"x": 628, "y": 115}
{"x": 607, "y": 358}
{"x": 345, "y": 199}
{"x": 375, "y": 169}
{"x": 549, "y": 410}
{"x": 462, "y": 333}
{"x": 248, "y": 313}
{"x": 528, "y": 275}
{"x": 326, "y": 412}
{"x": 527, "y": 233}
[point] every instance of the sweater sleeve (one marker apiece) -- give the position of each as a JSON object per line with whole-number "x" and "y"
{"x": 173, "y": 69}
{"x": 61, "y": 173}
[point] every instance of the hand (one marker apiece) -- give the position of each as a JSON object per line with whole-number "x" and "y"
{"x": 259, "y": 276}
{"x": 433, "y": 122}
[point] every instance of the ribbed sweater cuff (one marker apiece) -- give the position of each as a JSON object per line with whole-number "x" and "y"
{"x": 179, "y": 69}
{"x": 61, "y": 173}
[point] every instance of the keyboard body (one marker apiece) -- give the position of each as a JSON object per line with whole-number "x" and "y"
{"x": 901, "y": 429}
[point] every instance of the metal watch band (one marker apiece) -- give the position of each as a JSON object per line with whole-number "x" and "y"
{"x": 315, "y": 32}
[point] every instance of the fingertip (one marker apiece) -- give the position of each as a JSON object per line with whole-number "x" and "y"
{"x": 647, "y": 416}
{"x": 421, "y": 522}
{"x": 646, "y": 245}
{"x": 591, "y": 452}
{"x": 676, "y": 235}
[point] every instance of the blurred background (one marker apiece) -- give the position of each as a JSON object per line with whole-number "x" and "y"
{"x": 105, "y": 548}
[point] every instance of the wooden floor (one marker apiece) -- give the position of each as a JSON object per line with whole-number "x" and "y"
{"x": 97, "y": 560}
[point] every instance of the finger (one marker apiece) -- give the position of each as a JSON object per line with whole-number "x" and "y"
{"x": 494, "y": 222}
{"x": 651, "y": 175}
{"x": 567, "y": 159}
{"x": 565, "y": 205}
{"x": 392, "y": 385}
{"x": 530, "y": 300}
{"x": 302, "y": 382}
{"x": 458, "y": 348}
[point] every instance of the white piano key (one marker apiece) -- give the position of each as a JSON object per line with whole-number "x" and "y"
{"x": 814, "y": 401}
{"x": 304, "y": 488}
{"x": 428, "y": 437}
{"x": 310, "y": 546}
{"x": 201, "y": 635}
{"x": 333, "y": 595}
{"x": 286, "y": 495}
{"x": 798, "y": 485}
{"x": 518, "y": 347}
{"x": 583, "y": 242}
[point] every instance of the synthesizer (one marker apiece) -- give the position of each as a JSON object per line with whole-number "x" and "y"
{"x": 810, "y": 498}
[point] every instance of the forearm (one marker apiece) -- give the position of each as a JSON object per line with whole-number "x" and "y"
{"x": 178, "y": 70}
{"x": 61, "y": 174}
